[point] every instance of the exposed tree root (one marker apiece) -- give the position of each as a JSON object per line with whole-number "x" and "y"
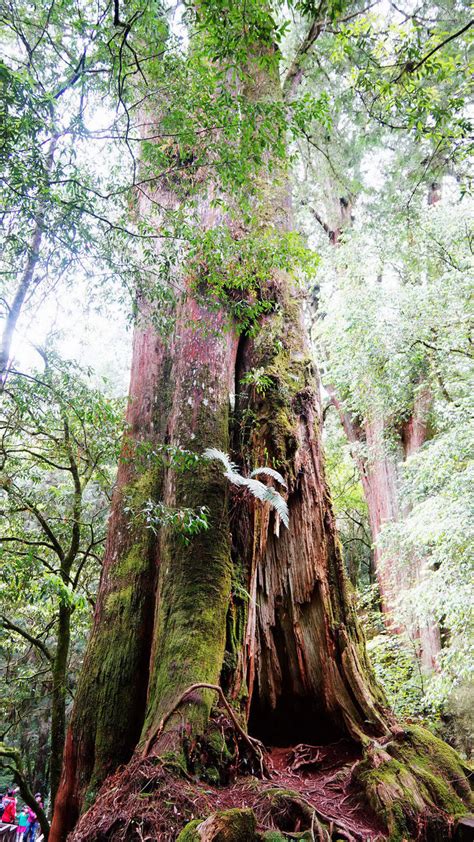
{"x": 410, "y": 788}
{"x": 417, "y": 784}
{"x": 255, "y": 745}
{"x": 148, "y": 801}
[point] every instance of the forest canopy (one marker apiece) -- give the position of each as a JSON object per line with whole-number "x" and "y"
{"x": 255, "y": 219}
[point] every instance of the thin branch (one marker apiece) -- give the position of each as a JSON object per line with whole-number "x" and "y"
{"x": 35, "y": 641}
{"x": 412, "y": 68}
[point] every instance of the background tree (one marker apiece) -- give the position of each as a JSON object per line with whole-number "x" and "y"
{"x": 360, "y": 167}
{"x": 58, "y": 447}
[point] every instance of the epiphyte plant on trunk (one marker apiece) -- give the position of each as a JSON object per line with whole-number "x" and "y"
{"x": 265, "y": 493}
{"x": 166, "y": 621}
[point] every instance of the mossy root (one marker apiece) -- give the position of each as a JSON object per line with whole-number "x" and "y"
{"x": 236, "y": 825}
{"x": 417, "y": 784}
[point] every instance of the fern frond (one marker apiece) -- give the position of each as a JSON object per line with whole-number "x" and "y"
{"x": 265, "y": 493}
{"x": 268, "y": 494}
{"x": 269, "y": 472}
{"x": 214, "y": 453}
{"x": 279, "y": 504}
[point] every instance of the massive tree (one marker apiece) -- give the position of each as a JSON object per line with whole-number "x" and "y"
{"x": 261, "y": 611}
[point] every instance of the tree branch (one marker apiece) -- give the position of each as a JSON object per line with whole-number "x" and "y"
{"x": 35, "y": 641}
{"x": 412, "y": 68}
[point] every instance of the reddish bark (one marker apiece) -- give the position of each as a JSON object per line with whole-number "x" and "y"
{"x": 111, "y": 695}
{"x": 379, "y": 470}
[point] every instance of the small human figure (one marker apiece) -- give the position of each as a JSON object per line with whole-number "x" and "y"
{"x": 22, "y": 824}
{"x": 9, "y": 808}
{"x": 32, "y": 825}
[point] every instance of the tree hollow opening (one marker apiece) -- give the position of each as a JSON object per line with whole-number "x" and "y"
{"x": 293, "y": 720}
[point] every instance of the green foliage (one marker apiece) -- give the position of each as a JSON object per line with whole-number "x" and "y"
{"x": 439, "y": 529}
{"x": 184, "y": 522}
{"x": 59, "y": 445}
{"x": 414, "y": 77}
{"x": 257, "y": 378}
{"x": 393, "y": 657}
{"x": 239, "y": 271}
{"x": 350, "y": 506}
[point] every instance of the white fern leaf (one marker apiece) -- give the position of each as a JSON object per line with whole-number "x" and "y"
{"x": 235, "y": 478}
{"x": 269, "y": 472}
{"x": 258, "y": 489}
{"x": 279, "y": 504}
{"x": 214, "y": 453}
{"x": 265, "y": 493}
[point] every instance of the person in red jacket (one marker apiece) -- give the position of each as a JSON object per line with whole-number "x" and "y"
{"x": 9, "y": 808}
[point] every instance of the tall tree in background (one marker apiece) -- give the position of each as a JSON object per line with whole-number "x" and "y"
{"x": 352, "y": 165}
{"x": 58, "y": 441}
{"x": 236, "y": 374}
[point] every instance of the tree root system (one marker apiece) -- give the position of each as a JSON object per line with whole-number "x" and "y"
{"x": 408, "y": 786}
{"x": 150, "y": 800}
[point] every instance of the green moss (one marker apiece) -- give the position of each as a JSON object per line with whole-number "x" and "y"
{"x": 195, "y": 579}
{"x": 236, "y": 825}
{"x": 236, "y": 622}
{"x": 189, "y": 833}
{"x": 289, "y": 809}
{"x": 415, "y": 779}
{"x": 134, "y": 561}
{"x": 119, "y": 600}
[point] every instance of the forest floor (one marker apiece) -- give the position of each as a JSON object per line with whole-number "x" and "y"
{"x": 164, "y": 802}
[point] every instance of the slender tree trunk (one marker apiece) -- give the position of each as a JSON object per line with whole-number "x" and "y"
{"x": 27, "y": 278}
{"x": 379, "y": 471}
{"x": 58, "y": 697}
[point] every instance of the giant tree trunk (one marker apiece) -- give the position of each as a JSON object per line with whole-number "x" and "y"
{"x": 110, "y": 702}
{"x": 290, "y": 655}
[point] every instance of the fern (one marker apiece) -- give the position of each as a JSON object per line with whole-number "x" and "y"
{"x": 265, "y": 493}
{"x": 269, "y": 472}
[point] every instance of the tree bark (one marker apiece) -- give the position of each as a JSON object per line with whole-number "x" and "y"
{"x": 58, "y": 697}
{"x": 293, "y": 647}
{"x": 111, "y": 696}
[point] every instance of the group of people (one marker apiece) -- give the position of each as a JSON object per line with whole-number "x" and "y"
{"x": 25, "y": 820}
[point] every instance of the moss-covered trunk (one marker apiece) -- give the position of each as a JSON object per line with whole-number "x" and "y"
{"x": 263, "y": 610}
{"x": 108, "y": 711}
{"x": 195, "y": 578}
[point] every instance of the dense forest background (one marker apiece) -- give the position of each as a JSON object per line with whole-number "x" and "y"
{"x": 373, "y": 131}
